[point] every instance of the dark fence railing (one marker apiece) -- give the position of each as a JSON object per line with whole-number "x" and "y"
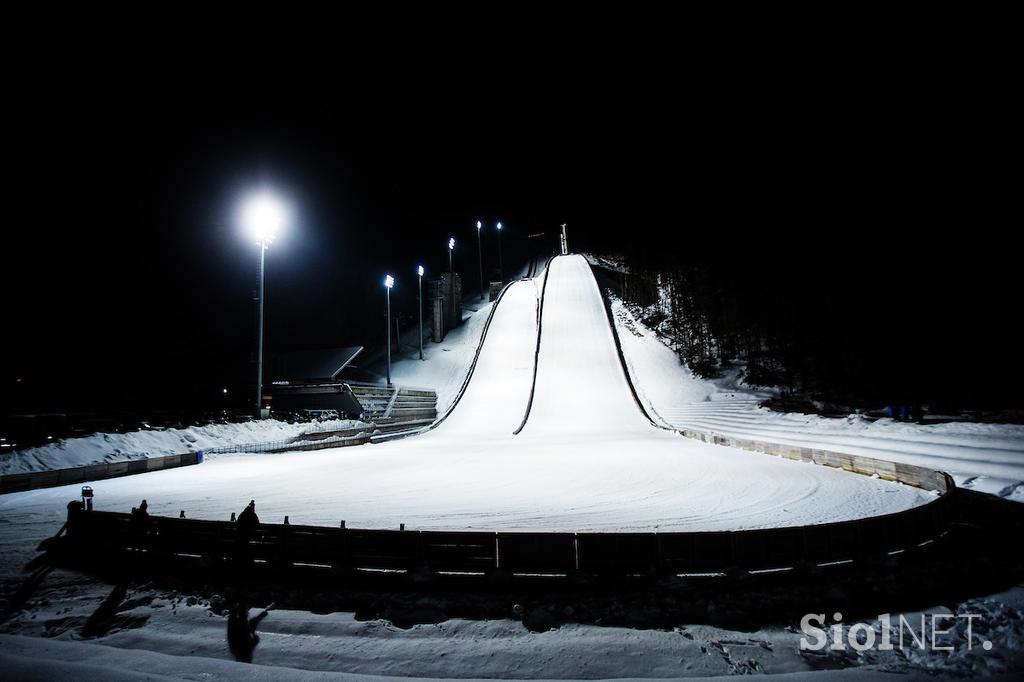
{"x": 121, "y": 537}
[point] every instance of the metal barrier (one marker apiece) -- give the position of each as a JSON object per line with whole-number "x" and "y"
{"x": 118, "y": 537}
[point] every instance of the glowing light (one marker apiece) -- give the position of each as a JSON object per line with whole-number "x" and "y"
{"x": 389, "y": 281}
{"x": 451, "y": 243}
{"x": 478, "y": 224}
{"x": 262, "y": 216}
{"x": 499, "y": 227}
{"x": 419, "y": 271}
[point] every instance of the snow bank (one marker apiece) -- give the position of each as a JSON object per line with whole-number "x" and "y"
{"x": 984, "y": 457}
{"x": 111, "y": 447}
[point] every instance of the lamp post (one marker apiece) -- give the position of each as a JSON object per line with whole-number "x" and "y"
{"x": 501, "y": 267}
{"x": 480, "y": 256}
{"x": 451, "y": 278}
{"x": 389, "y": 282}
{"x": 262, "y": 215}
{"x": 419, "y": 272}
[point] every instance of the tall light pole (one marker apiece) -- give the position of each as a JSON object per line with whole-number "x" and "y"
{"x": 480, "y": 256}
{"x": 501, "y": 267}
{"x": 419, "y": 271}
{"x": 262, "y": 215}
{"x": 389, "y": 282}
{"x": 451, "y": 278}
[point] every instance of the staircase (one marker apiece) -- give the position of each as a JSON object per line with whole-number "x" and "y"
{"x": 396, "y": 411}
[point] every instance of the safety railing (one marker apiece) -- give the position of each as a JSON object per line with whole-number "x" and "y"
{"x": 119, "y": 537}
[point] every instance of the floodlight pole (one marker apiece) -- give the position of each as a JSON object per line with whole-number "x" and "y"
{"x": 501, "y": 267}
{"x": 259, "y": 343}
{"x": 387, "y": 296}
{"x": 451, "y": 279}
{"x": 420, "y": 273}
{"x": 480, "y": 256}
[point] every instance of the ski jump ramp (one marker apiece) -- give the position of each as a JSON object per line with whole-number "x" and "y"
{"x": 586, "y": 460}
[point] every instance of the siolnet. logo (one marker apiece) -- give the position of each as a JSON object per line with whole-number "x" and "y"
{"x": 934, "y": 632}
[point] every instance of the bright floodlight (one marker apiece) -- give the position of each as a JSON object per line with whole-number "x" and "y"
{"x": 389, "y": 281}
{"x": 499, "y": 227}
{"x": 263, "y": 215}
{"x": 478, "y": 225}
{"x": 419, "y": 271}
{"x": 451, "y": 243}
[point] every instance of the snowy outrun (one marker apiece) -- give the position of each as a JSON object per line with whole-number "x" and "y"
{"x": 587, "y": 458}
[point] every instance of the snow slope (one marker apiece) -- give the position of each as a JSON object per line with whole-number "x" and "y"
{"x": 444, "y": 365}
{"x": 495, "y": 399}
{"x": 587, "y": 460}
{"x": 985, "y": 457}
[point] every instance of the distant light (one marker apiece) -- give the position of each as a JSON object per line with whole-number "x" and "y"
{"x": 263, "y": 215}
{"x": 389, "y": 281}
{"x": 451, "y": 243}
{"x": 49, "y": 438}
{"x": 478, "y": 224}
{"x": 419, "y": 271}
{"x": 224, "y": 390}
{"x": 499, "y": 227}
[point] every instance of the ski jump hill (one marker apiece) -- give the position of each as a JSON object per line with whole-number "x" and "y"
{"x": 546, "y": 463}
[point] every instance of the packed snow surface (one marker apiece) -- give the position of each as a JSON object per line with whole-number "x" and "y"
{"x": 984, "y": 457}
{"x": 444, "y": 365}
{"x": 588, "y": 460}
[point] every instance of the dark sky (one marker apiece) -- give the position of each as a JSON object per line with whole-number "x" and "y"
{"x": 125, "y": 276}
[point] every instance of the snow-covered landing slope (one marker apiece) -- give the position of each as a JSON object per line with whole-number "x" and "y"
{"x": 496, "y": 397}
{"x": 986, "y": 457}
{"x": 444, "y": 366}
{"x": 587, "y": 461}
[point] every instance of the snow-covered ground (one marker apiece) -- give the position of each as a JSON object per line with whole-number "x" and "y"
{"x": 112, "y": 447}
{"x": 444, "y": 365}
{"x": 587, "y": 460}
{"x": 164, "y": 635}
{"x": 984, "y": 457}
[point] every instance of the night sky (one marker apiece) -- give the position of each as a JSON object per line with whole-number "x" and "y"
{"x": 127, "y": 281}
